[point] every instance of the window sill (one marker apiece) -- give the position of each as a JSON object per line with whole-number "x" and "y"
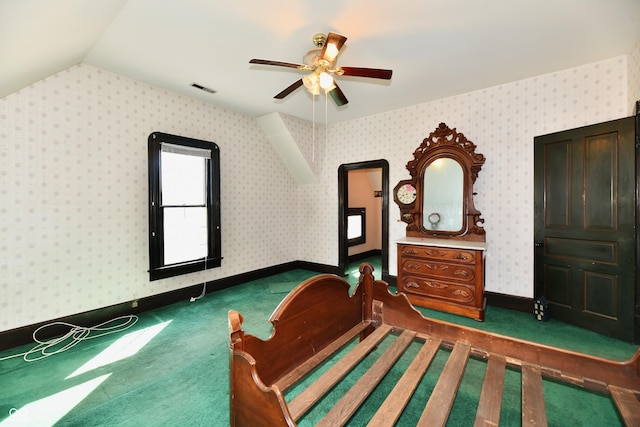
{"x": 183, "y": 268}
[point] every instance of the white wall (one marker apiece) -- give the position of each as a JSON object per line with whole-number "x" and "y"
{"x": 633, "y": 70}
{"x": 73, "y": 191}
{"x": 73, "y": 180}
{"x": 502, "y": 121}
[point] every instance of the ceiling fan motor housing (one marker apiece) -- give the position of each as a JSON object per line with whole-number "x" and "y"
{"x": 319, "y": 39}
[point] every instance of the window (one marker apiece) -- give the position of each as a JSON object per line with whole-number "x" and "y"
{"x": 184, "y": 205}
{"x": 356, "y": 226}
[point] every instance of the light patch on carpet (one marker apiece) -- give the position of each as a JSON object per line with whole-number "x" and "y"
{"x": 282, "y": 287}
{"x": 49, "y": 410}
{"x": 124, "y": 347}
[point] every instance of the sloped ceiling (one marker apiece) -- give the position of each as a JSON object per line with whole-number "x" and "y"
{"x": 436, "y": 48}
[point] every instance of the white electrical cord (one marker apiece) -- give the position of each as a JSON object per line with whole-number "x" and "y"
{"x": 204, "y": 286}
{"x": 75, "y": 335}
{"x": 204, "y": 291}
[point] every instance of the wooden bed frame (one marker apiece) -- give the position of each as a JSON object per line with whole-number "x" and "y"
{"x": 319, "y": 318}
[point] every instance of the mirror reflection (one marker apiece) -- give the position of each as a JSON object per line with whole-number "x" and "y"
{"x": 443, "y": 186}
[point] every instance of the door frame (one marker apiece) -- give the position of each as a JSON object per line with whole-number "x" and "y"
{"x": 343, "y": 197}
{"x": 636, "y": 314}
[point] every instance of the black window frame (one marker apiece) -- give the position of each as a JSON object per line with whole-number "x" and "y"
{"x": 157, "y": 268}
{"x": 362, "y": 238}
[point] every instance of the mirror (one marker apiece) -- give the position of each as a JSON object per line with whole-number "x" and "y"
{"x": 443, "y": 190}
{"x": 440, "y": 204}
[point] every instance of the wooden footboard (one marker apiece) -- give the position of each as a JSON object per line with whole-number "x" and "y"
{"x": 319, "y": 318}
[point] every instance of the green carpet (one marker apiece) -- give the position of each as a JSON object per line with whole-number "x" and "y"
{"x": 180, "y": 376}
{"x": 282, "y": 287}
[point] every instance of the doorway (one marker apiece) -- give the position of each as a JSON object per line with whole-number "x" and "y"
{"x": 376, "y": 213}
{"x": 585, "y": 226}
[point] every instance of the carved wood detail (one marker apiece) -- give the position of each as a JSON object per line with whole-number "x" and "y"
{"x": 443, "y": 276}
{"x": 444, "y": 142}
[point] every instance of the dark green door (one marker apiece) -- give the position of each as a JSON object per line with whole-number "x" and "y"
{"x": 585, "y": 241}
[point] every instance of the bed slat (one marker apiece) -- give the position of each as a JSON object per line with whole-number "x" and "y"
{"x": 300, "y": 371}
{"x": 340, "y": 413}
{"x": 389, "y": 412}
{"x": 533, "y": 409}
{"x": 437, "y": 410}
{"x": 627, "y": 403}
{"x": 305, "y": 400}
{"x": 488, "y": 413}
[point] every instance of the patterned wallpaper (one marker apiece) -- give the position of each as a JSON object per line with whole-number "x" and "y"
{"x": 73, "y": 185}
{"x": 73, "y": 179}
{"x": 634, "y": 76}
{"x": 502, "y": 121}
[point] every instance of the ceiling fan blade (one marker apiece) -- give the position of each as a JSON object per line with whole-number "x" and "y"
{"x": 332, "y": 46}
{"x": 289, "y": 89}
{"x": 276, "y": 63}
{"x": 338, "y": 96}
{"x": 375, "y": 73}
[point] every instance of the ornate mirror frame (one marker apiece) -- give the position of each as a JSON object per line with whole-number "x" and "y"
{"x": 443, "y": 142}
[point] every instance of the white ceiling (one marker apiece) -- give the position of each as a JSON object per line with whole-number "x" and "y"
{"x": 436, "y": 48}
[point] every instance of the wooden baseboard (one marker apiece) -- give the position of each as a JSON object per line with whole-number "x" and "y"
{"x": 24, "y": 335}
{"x": 318, "y": 268}
{"x": 510, "y": 301}
{"x": 364, "y": 255}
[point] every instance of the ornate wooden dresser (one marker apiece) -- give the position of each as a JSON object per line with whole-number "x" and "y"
{"x": 441, "y": 259}
{"x": 443, "y": 274}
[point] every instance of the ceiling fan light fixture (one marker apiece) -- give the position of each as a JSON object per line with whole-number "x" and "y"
{"x": 331, "y": 52}
{"x": 326, "y": 81}
{"x": 312, "y": 83}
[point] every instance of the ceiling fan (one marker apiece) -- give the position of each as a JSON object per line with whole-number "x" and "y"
{"x": 321, "y": 64}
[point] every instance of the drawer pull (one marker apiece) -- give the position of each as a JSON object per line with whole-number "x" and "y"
{"x": 412, "y": 285}
{"x": 436, "y": 285}
{"x": 410, "y": 251}
{"x": 461, "y": 292}
{"x": 436, "y": 266}
{"x": 462, "y": 256}
{"x": 463, "y": 273}
{"x": 435, "y": 252}
{"x": 413, "y": 266}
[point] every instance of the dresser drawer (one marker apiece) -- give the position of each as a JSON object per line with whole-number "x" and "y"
{"x": 441, "y": 270}
{"x": 434, "y": 288}
{"x": 443, "y": 276}
{"x": 433, "y": 252}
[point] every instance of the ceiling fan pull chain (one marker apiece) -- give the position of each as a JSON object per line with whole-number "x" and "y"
{"x": 326, "y": 123}
{"x": 313, "y": 131}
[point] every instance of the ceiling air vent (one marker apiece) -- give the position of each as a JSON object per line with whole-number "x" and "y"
{"x": 206, "y": 89}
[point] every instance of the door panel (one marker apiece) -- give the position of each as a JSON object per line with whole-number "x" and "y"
{"x": 600, "y": 295}
{"x": 558, "y": 184}
{"x": 601, "y": 154}
{"x": 560, "y": 293}
{"x": 585, "y": 262}
{"x": 586, "y": 250}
